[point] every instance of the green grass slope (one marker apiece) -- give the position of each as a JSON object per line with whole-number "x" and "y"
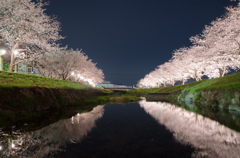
{"x": 11, "y": 80}
{"x": 229, "y": 82}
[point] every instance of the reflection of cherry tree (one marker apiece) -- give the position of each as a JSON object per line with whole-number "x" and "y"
{"x": 50, "y": 139}
{"x": 206, "y": 135}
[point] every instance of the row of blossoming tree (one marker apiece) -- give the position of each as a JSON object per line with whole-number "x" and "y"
{"x": 213, "y": 53}
{"x": 29, "y": 34}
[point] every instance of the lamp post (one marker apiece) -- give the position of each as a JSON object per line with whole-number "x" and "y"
{"x": 2, "y": 52}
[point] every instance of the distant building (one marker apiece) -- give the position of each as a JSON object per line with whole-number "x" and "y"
{"x": 27, "y": 68}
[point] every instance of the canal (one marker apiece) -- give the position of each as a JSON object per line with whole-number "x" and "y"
{"x": 135, "y": 130}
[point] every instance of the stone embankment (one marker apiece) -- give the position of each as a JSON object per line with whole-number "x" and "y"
{"x": 217, "y": 98}
{"x": 222, "y": 99}
{"x": 38, "y": 99}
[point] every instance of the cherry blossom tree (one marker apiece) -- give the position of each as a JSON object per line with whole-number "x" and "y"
{"x": 168, "y": 73}
{"x": 181, "y": 71}
{"x": 159, "y": 77}
{"x": 163, "y": 75}
{"x": 25, "y": 27}
{"x": 213, "y": 53}
{"x": 147, "y": 81}
{"x": 222, "y": 40}
{"x": 191, "y": 61}
{"x": 69, "y": 64}
{"x": 186, "y": 63}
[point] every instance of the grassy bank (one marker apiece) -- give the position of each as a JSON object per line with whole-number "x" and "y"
{"x": 24, "y": 96}
{"x": 229, "y": 82}
{"x": 221, "y": 92}
{"x": 10, "y": 80}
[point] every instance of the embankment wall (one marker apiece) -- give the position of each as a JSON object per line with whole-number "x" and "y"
{"x": 217, "y": 98}
{"x": 38, "y": 99}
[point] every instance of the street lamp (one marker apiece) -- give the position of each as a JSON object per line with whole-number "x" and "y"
{"x": 2, "y": 52}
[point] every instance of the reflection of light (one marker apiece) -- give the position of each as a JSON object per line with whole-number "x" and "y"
{"x": 13, "y": 145}
{"x": 0, "y": 147}
{"x": 15, "y": 52}
{"x": 72, "y": 73}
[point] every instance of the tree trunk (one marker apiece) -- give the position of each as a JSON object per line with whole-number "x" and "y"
{"x": 195, "y": 75}
{"x": 197, "y": 79}
{"x": 222, "y": 72}
{"x": 164, "y": 84}
{"x": 183, "y": 81}
{"x": 10, "y": 68}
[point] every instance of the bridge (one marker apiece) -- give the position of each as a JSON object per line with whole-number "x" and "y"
{"x": 117, "y": 88}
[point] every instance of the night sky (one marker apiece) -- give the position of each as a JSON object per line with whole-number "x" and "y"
{"x": 129, "y": 38}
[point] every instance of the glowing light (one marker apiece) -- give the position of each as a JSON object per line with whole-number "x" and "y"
{"x": 3, "y": 51}
{"x": 72, "y": 120}
{"x": 15, "y": 52}
{"x": 1, "y": 147}
{"x": 85, "y": 79}
{"x": 13, "y": 145}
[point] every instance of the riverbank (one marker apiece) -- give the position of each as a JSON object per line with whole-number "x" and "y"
{"x": 221, "y": 92}
{"x": 24, "y": 97}
{"x": 21, "y": 103}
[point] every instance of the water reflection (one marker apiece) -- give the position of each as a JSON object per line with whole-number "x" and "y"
{"x": 210, "y": 138}
{"x": 48, "y": 140}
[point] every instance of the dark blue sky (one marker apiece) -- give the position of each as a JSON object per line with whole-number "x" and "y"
{"x": 129, "y": 38}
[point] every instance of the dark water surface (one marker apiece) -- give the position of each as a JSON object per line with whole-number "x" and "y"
{"x": 144, "y": 129}
{"x": 127, "y": 131}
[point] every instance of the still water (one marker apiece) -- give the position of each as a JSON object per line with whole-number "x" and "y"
{"x": 143, "y": 129}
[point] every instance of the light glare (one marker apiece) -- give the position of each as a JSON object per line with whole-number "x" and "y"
{"x": 3, "y": 51}
{"x": 15, "y": 52}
